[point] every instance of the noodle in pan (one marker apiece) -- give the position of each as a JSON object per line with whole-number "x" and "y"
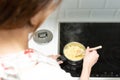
{"x": 74, "y": 51}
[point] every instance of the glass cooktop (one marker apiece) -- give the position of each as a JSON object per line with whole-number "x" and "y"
{"x": 94, "y": 34}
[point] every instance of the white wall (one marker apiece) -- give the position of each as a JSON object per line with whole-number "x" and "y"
{"x": 90, "y": 10}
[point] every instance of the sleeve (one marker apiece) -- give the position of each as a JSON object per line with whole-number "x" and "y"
{"x": 55, "y": 72}
{"x": 48, "y": 69}
{"x": 40, "y": 57}
{"x": 44, "y": 71}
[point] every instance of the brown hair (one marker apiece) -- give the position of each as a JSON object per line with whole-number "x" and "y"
{"x": 19, "y": 12}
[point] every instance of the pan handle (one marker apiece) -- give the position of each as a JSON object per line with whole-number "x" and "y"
{"x": 61, "y": 58}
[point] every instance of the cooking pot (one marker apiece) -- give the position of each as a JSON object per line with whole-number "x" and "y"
{"x": 74, "y": 52}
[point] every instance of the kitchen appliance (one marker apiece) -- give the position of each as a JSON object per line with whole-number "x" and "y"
{"x": 94, "y": 34}
{"x": 42, "y": 36}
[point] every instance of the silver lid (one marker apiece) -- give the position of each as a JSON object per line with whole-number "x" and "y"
{"x": 43, "y": 36}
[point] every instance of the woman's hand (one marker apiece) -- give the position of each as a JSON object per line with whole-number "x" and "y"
{"x": 55, "y": 58}
{"x": 91, "y": 57}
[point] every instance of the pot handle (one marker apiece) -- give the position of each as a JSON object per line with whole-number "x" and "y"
{"x": 61, "y": 58}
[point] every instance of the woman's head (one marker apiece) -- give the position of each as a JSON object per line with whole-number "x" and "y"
{"x": 18, "y": 13}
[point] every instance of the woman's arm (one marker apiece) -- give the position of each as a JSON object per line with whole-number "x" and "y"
{"x": 85, "y": 73}
{"x": 90, "y": 59}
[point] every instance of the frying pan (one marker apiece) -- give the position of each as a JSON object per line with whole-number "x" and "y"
{"x": 74, "y": 52}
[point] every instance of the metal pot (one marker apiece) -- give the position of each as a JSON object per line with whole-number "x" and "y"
{"x": 73, "y": 53}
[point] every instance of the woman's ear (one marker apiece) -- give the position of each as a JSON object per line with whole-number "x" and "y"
{"x": 40, "y": 17}
{"x": 36, "y": 19}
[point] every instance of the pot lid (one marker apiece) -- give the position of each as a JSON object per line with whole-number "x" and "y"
{"x": 42, "y": 36}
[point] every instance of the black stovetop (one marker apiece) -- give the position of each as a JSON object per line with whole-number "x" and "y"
{"x": 94, "y": 34}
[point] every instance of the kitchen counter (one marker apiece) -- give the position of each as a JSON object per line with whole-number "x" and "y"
{"x": 93, "y": 78}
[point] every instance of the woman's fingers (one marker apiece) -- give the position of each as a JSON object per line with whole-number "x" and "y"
{"x": 60, "y": 62}
{"x": 55, "y": 58}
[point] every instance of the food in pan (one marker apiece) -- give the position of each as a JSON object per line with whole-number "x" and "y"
{"x": 74, "y": 51}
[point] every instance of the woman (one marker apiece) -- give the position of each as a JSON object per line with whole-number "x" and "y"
{"x": 18, "y": 18}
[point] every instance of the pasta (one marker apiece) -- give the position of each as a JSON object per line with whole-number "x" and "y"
{"x": 74, "y": 51}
